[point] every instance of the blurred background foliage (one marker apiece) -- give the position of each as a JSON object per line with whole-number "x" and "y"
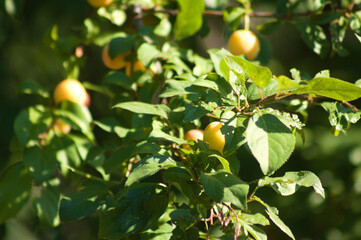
{"x": 25, "y": 54}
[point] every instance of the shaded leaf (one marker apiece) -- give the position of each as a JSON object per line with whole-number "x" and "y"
{"x": 32, "y": 87}
{"x": 15, "y": 188}
{"x": 138, "y": 208}
{"x": 30, "y": 123}
{"x": 41, "y": 162}
{"x": 83, "y": 202}
{"x": 224, "y": 187}
{"x": 149, "y": 166}
{"x": 118, "y": 78}
{"x": 47, "y": 206}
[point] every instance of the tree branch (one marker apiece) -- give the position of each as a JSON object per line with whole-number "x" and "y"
{"x": 255, "y": 14}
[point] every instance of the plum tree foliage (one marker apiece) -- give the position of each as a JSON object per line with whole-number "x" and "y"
{"x": 147, "y": 181}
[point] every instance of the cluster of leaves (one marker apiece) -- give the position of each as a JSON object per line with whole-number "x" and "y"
{"x": 142, "y": 181}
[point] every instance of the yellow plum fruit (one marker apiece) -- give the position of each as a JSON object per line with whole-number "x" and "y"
{"x": 244, "y": 42}
{"x": 214, "y": 137}
{"x": 71, "y": 90}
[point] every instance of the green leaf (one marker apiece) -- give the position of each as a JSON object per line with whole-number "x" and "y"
{"x": 175, "y": 88}
{"x": 147, "y": 52}
{"x": 191, "y": 233}
{"x": 217, "y": 56}
{"x": 193, "y": 112}
{"x": 118, "y": 78}
{"x": 144, "y": 108}
{"x": 41, "y": 162}
{"x": 139, "y": 207}
{"x": 232, "y": 16}
{"x": 257, "y": 218}
{"x": 163, "y": 232}
{"x": 67, "y": 153}
{"x": 149, "y": 166}
{"x": 276, "y": 219}
{"x": 96, "y": 158}
{"x": 158, "y": 134}
{"x": 331, "y": 88}
{"x": 30, "y": 123}
{"x": 224, "y": 187}
{"x": 122, "y": 154}
{"x": 47, "y": 206}
{"x": 215, "y": 83}
{"x": 115, "y": 16}
{"x": 270, "y": 141}
{"x": 285, "y": 82}
{"x": 223, "y": 161}
{"x": 255, "y": 231}
{"x": 98, "y": 88}
{"x": 293, "y": 180}
{"x": 202, "y": 65}
{"x": 271, "y": 89}
{"x": 77, "y": 115}
{"x": 121, "y": 44}
{"x": 229, "y": 121}
{"x": 261, "y": 76}
{"x": 83, "y": 202}
{"x": 164, "y": 28}
{"x": 82, "y": 112}
{"x": 34, "y": 88}
{"x": 189, "y": 19}
{"x": 15, "y": 188}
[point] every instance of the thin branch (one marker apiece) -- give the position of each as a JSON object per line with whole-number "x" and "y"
{"x": 256, "y": 14}
{"x": 350, "y": 105}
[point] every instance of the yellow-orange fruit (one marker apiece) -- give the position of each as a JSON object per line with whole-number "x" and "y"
{"x": 131, "y": 67}
{"x": 116, "y": 63}
{"x": 71, "y": 90}
{"x": 194, "y": 134}
{"x": 99, "y": 3}
{"x": 60, "y": 126}
{"x": 214, "y": 137}
{"x": 244, "y": 42}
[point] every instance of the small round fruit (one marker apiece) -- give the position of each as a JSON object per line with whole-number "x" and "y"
{"x": 99, "y": 3}
{"x": 116, "y": 63}
{"x": 244, "y": 42}
{"x": 214, "y": 137}
{"x": 71, "y": 90}
{"x": 194, "y": 134}
{"x": 60, "y": 126}
{"x": 131, "y": 67}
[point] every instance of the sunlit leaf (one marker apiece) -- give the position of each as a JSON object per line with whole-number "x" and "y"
{"x": 270, "y": 141}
